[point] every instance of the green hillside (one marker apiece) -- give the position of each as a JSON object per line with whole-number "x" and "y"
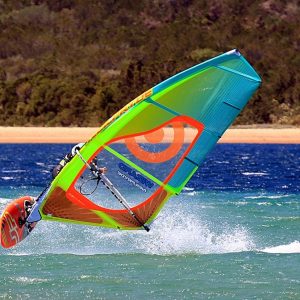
{"x": 73, "y": 62}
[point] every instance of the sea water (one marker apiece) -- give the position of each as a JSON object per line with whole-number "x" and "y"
{"x": 233, "y": 233}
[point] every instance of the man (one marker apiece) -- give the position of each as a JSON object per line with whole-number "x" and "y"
{"x": 69, "y": 157}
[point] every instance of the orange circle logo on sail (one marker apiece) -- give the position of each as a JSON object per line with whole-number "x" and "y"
{"x": 154, "y": 138}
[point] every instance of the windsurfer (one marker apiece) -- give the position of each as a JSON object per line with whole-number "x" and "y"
{"x": 68, "y": 158}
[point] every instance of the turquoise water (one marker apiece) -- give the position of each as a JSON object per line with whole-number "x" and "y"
{"x": 232, "y": 234}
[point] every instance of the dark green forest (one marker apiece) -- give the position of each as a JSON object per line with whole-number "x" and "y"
{"x": 76, "y": 62}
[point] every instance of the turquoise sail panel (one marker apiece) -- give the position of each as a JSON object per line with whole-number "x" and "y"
{"x": 213, "y": 93}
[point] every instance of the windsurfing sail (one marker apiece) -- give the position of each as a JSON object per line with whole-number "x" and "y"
{"x": 152, "y": 146}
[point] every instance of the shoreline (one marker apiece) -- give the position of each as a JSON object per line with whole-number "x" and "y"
{"x": 36, "y": 135}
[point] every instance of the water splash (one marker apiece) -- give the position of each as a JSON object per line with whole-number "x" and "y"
{"x": 184, "y": 234}
{"x": 173, "y": 233}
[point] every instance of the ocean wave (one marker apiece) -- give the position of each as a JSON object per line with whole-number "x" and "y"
{"x": 13, "y": 171}
{"x": 293, "y": 247}
{"x": 268, "y": 203}
{"x": 28, "y": 280}
{"x": 267, "y": 196}
{"x": 245, "y": 157}
{"x": 45, "y": 171}
{"x": 7, "y": 177}
{"x": 255, "y": 173}
{"x": 187, "y": 189}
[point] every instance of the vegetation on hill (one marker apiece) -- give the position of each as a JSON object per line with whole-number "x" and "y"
{"x": 76, "y": 62}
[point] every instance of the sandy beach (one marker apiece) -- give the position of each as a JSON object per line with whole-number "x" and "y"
{"x": 77, "y": 134}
